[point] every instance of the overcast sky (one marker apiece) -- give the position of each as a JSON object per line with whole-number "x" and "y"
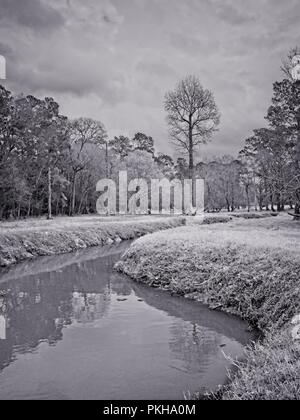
{"x": 113, "y": 60}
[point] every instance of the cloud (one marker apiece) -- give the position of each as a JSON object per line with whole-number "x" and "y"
{"x": 114, "y": 59}
{"x": 229, "y": 11}
{"x": 186, "y": 43}
{"x": 90, "y": 14}
{"x": 111, "y": 15}
{"x": 75, "y": 58}
{"x": 34, "y": 14}
{"x": 155, "y": 66}
{"x": 5, "y": 49}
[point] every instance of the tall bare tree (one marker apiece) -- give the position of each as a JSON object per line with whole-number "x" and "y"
{"x": 193, "y": 117}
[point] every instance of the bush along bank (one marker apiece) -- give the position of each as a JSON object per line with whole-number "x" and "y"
{"x": 19, "y": 245}
{"x": 258, "y": 283}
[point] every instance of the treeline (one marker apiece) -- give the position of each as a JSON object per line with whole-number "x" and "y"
{"x": 51, "y": 165}
{"x": 272, "y": 155}
{"x": 40, "y": 156}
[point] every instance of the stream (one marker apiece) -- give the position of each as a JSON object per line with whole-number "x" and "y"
{"x": 72, "y": 328}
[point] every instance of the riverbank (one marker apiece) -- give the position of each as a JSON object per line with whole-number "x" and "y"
{"x": 23, "y": 240}
{"x": 246, "y": 267}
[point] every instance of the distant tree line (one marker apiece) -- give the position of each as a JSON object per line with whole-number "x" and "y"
{"x": 50, "y": 164}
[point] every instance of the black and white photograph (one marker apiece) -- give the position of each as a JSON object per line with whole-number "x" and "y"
{"x": 149, "y": 203}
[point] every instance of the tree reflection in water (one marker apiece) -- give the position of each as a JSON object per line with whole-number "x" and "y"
{"x": 122, "y": 338}
{"x": 194, "y": 345}
{"x": 37, "y": 307}
{"x": 197, "y": 342}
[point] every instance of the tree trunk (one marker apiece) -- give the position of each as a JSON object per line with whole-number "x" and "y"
{"x": 106, "y": 159}
{"x": 272, "y": 203}
{"x": 297, "y": 205}
{"x": 73, "y": 195}
{"x": 83, "y": 198}
{"x": 248, "y": 199}
{"x": 49, "y": 195}
{"x": 29, "y": 208}
{"x": 191, "y": 163}
{"x": 278, "y": 206}
{"x": 57, "y": 206}
{"x": 228, "y": 205}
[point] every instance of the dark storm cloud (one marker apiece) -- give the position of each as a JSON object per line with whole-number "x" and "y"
{"x": 34, "y": 14}
{"x": 75, "y": 77}
{"x": 114, "y": 60}
{"x": 66, "y": 61}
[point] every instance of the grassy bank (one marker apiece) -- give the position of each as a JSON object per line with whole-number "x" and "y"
{"x": 24, "y": 239}
{"x": 246, "y": 267}
{"x": 28, "y": 239}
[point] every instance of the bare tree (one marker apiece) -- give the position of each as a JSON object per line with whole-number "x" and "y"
{"x": 193, "y": 117}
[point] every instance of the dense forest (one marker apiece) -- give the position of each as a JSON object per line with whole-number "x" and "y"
{"x": 50, "y": 165}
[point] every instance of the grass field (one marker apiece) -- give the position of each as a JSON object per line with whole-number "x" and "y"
{"x": 245, "y": 267}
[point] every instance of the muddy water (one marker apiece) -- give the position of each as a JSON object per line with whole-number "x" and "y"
{"x": 72, "y": 328}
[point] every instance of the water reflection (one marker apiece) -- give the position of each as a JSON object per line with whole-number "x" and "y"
{"x": 37, "y": 307}
{"x": 196, "y": 342}
{"x": 137, "y": 345}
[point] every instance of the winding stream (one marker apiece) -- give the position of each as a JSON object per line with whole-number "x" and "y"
{"x": 72, "y": 328}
